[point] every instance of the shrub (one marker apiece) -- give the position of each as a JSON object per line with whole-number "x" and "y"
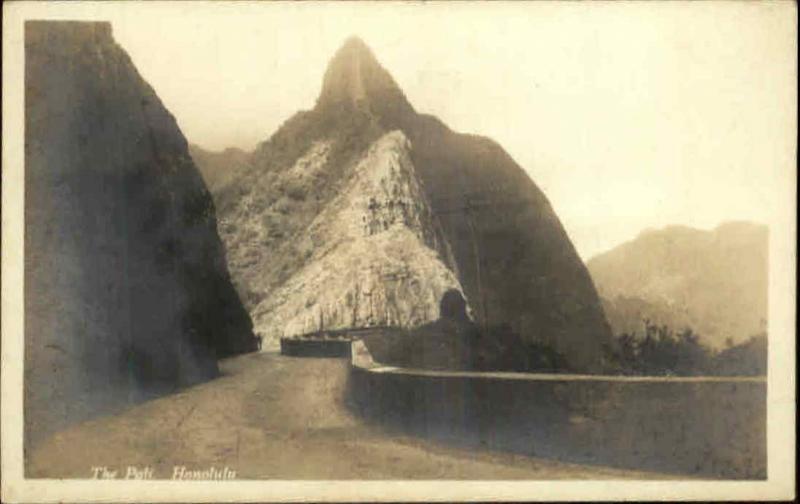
{"x": 663, "y": 352}
{"x": 748, "y": 358}
{"x": 296, "y": 192}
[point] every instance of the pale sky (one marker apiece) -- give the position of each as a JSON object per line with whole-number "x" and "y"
{"x": 627, "y": 115}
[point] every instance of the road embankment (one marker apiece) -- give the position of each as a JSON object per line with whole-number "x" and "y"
{"x": 701, "y": 426}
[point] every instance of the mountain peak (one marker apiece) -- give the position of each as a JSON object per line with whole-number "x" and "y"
{"x": 355, "y": 78}
{"x": 67, "y": 36}
{"x": 357, "y": 45}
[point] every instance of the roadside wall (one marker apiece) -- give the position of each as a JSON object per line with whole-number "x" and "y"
{"x": 705, "y": 427}
{"x": 295, "y": 347}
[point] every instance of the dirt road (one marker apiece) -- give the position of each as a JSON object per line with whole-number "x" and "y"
{"x": 275, "y": 417}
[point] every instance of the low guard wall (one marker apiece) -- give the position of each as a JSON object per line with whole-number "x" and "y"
{"x": 707, "y": 427}
{"x": 330, "y": 342}
{"x": 308, "y": 347}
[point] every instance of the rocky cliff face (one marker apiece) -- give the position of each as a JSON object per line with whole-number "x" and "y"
{"x": 127, "y": 292}
{"x": 376, "y": 254}
{"x": 712, "y": 281}
{"x": 490, "y": 226}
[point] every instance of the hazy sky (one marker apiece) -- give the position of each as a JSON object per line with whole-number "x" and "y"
{"x": 627, "y": 115}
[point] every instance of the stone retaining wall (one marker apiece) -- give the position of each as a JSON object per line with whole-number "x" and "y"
{"x": 307, "y": 347}
{"x": 698, "y": 426}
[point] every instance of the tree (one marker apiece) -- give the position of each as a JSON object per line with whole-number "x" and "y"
{"x": 660, "y": 352}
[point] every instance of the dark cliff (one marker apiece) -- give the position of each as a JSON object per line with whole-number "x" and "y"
{"x": 127, "y": 293}
{"x": 515, "y": 261}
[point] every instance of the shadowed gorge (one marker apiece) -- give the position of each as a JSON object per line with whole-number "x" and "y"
{"x": 127, "y": 291}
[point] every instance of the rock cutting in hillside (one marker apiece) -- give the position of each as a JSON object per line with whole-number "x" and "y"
{"x": 127, "y": 290}
{"x": 307, "y": 236}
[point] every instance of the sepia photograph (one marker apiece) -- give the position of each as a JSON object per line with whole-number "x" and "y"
{"x": 370, "y": 251}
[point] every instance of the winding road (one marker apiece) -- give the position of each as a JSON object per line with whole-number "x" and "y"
{"x": 275, "y": 417}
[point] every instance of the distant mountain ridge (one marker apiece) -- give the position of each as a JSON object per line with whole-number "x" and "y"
{"x": 488, "y": 231}
{"x": 219, "y": 168}
{"x": 712, "y": 281}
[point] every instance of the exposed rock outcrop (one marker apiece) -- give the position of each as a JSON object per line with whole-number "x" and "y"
{"x": 376, "y": 254}
{"x": 712, "y": 281}
{"x": 510, "y": 255}
{"x": 127, "y": 292}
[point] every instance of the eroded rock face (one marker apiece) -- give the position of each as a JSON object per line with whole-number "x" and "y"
{"x": 377, "y": 255}
{"x": 126, "y": 288}
{"x": 488, "y": 223}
